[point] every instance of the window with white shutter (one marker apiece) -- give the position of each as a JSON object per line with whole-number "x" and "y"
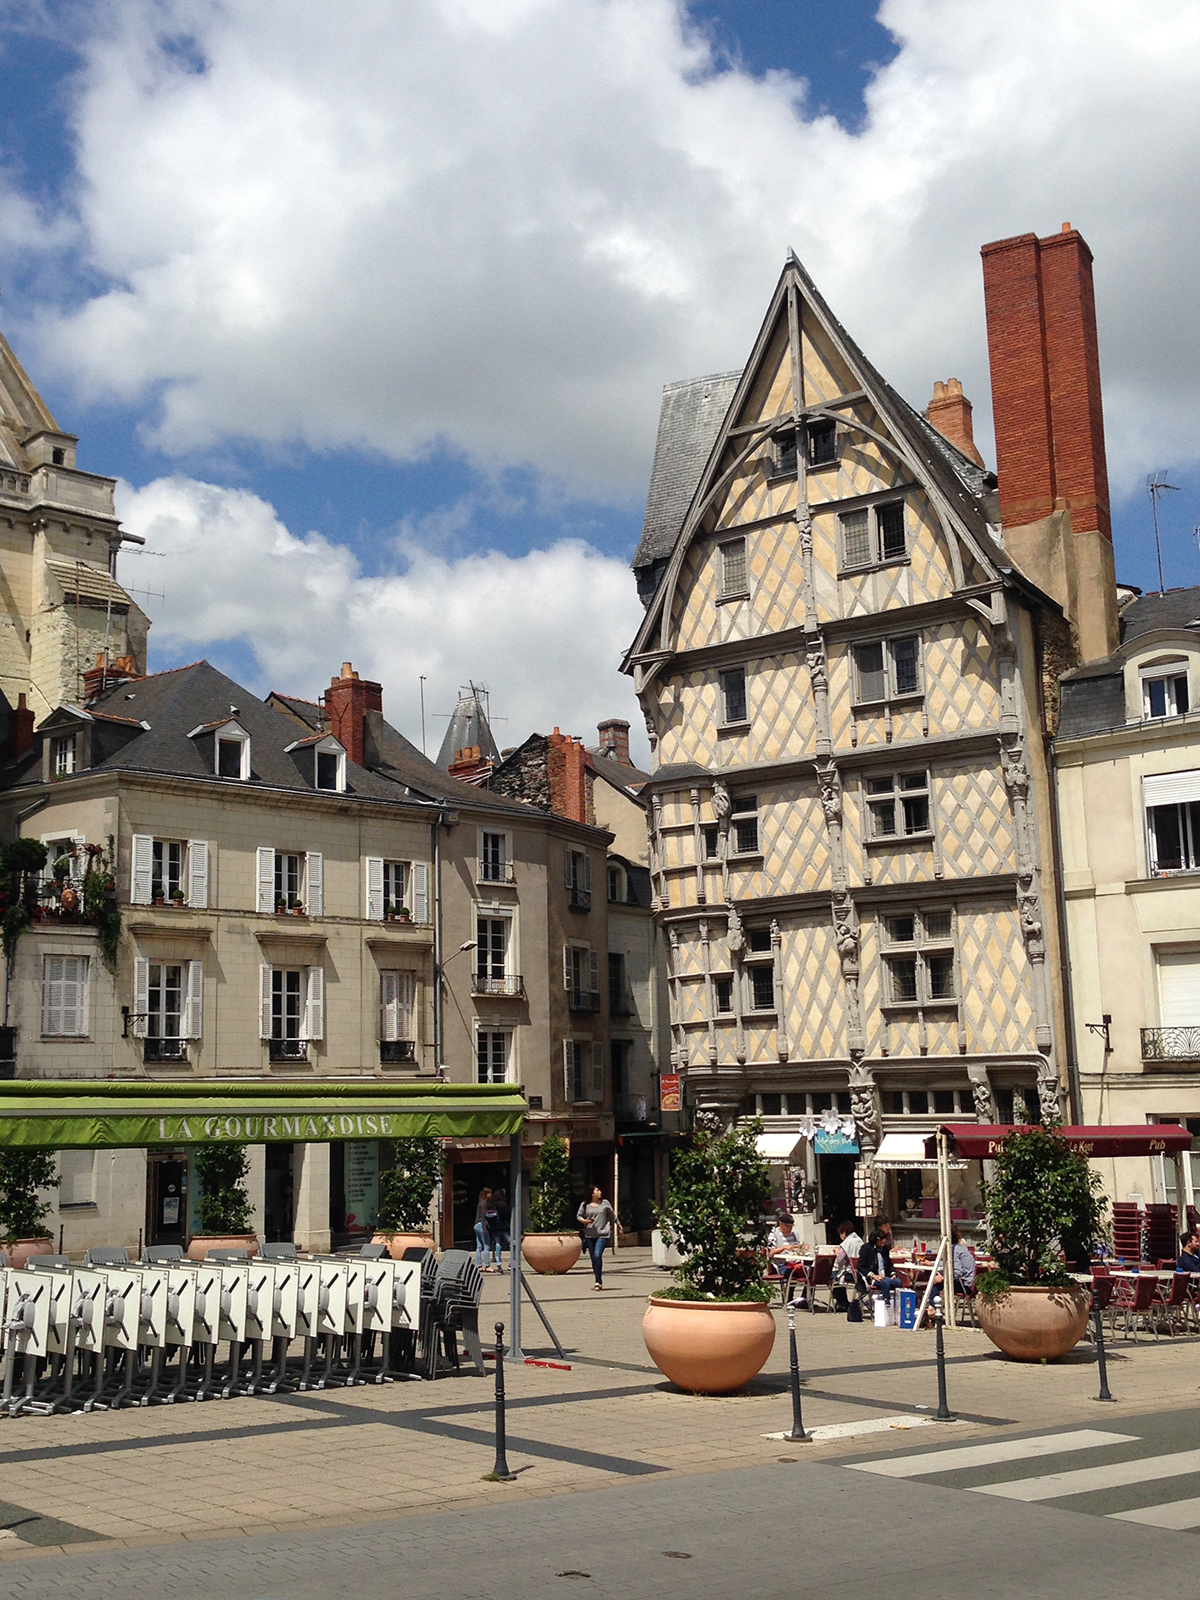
{"x": 568, "y": 966}
{"x": 373, "y": 867}
{"x": 597, "y": 1088}
{"x": 594, "y": 972}
{"x": 420, "y": 891}
{"x": 265, "y": 975}
{"x": 141, "y": 890}
{"x": 198, "y": 870}
{"x": 266, "y": 880}
{"x": 77, "y": 1174}
{"x": 193, "y": 1016}
{"x": 64, "y": 996}
{"x": 396, "y": 1006}
{"x": 572, "y": 1070}
{"x": 314, "y": 887}
{"x": 314, "y": 1005}
{"x": 141, "y": 996}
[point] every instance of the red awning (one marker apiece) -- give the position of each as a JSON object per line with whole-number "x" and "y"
{"x": 980, "y": 1141}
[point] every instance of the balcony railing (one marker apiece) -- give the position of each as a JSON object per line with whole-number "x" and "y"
{"x": 395, "y": 1052}
{"x": 579, "y": 899}
{"x": 164, "y": 1050}
{"x": 583, "y": 1000}
{"x": 287, "y": 1050}
{"x": 509, "y": 984}
{"x": 1171, "y": 1044}
{"x": 495, "y": 872}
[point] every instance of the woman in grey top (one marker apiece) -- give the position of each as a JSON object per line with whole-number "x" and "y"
{"x": 598, "y": 1220}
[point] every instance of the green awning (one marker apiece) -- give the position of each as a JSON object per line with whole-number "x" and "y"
{"x": 135, "y": 1113}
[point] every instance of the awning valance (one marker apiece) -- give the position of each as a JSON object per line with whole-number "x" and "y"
{"x": 980, "y": 1141}
{"x": 130, "y": 1114}
{"x": 904, "y": 1152}
{"x": 777, "y": 1146}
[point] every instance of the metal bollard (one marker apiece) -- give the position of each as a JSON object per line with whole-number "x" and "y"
{"x": 943, "y": 1413}
{"x": 1101, "y": 1360}
{"x": 500, "y": 1472}
{"x": 797, "y": 1435}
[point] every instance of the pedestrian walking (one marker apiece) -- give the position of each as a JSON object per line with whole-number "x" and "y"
{"x": 498, "y": 1215}
{"x": 598, "y": 1219}
{"x": 481, "y": 1229}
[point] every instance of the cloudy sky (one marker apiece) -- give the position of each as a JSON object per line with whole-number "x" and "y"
{"x": 372, "y": 320}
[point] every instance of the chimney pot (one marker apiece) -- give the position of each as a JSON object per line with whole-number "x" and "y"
{"x": 950, "y": 413}
{"x": 348, "y": 671}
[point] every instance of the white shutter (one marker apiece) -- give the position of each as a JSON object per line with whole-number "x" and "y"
{"x": 389, "y": 992}
{"x": 420, "y": 891}
{"x": 569, "y": 1070}
{"x": 193, "y": 1015}
{"x": 594, "y": 971}
{"x": 74, "y": 995}
{"x": 1179, "y": 989}
{"x": 566, "y": 966}
{"x": 141, "y": 996}
{"x": 314, "y": 888}
{"x": 51, "y": 993}
{"x": 406, "y": 990}
{"x": 143, "y": 864}
{"x": 264, "y": 1001}
{"x": 198, "y": 873}
{"x": 597, "y": 1071}
{"x": 314, "y": 1007}
{"x": 567, "y": 877}
{"x": 374, "y": 866}
{"x": 587, "y": 874}
{"x": 1171, "y": 788}
{"x": 266, "y": 881}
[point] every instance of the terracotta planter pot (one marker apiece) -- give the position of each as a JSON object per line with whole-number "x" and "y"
{"x": 398, "y": 1243}
{"x": 1035, "y": 1324}
{"x": 708, "y": 1346}
{"x": 201, "y": 1243}
{"x": 18, "y": 1251}
{"x": 551, "y": 1253}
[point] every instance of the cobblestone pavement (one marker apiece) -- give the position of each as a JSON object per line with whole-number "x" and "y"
{"x": 342, "y": 1459}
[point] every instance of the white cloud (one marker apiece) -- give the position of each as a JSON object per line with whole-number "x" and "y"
{"x": 544, "y": 631}
{"x": 505, "y": 223}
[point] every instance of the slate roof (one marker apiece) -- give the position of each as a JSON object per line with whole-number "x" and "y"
{"x": 1178, "y": 608}
{"x": 1092, "y": 697}
{"x": 468, "y": 729}
{"x": 629, "y": 780}
{"x": 1091, "y": 704}
{"x": 308, "y": 711}
{"x": 688, "y": 423}
{"x": 389, "y": 752}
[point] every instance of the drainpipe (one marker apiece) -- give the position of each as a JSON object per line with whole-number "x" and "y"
{"x": 1064, "y": 953}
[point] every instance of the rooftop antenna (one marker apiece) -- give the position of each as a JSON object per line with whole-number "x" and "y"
{"x": 1157, "y": 484}
{"x": 422, "y": 713}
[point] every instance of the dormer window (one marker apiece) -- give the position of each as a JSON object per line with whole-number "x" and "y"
{"x": 330, "y": 770}
{"x": 62, "y": 756}
{"x": 1165, "y": 691}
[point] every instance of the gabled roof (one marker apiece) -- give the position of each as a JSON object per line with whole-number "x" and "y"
{"x": 387, "y": 751}
{"x": 953, "y": 482}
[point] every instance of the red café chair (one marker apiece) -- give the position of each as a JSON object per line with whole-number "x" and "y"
{"x": 1140, "y": 1306}
{"x": 821, "y": 1277}
{"x": 1173, "y": 1305}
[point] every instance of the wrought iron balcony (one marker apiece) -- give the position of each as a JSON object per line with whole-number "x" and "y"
{"x": 509, "y": 984}
{"x": 495, "y": 872}
{"x": 1171, "y": 1044}
{"x": 583, "y": 1000}
{"x": 395, "y": 1052}
{"x": 579, "y": 899}
{"x": 287, "y": 1050}
{"x": 164, "y": 1050}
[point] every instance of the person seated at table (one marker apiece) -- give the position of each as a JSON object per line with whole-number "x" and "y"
{"x": 845, "y": 1262}
{"x": 963, "y": 1263}
{"x": 884, "y": 1228}
{"x": 782, "y": 1241}
{"x": 875, "y": 1275}
{"x": 1189, "y": 1259}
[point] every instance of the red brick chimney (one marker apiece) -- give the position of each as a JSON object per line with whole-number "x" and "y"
{"x": 1050, "y": 459}
{"x": 566, "y": 770}
{"x": 614, "y": 739}
{"x": 950, "y": 413}
{"x": 470, "y": 765}
{"x": 347, "y": 700}
{"x": 20, "y": 731}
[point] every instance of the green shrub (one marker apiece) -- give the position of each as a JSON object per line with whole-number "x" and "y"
{"x": 22, "y": 1174}
{"x": 550, "y": 1207}
{"x": 1044, "y": 1200}
{"x": 406, "y": 1189}
{"x": 719, "y": 1190}
{"x": 224, "y": 1204}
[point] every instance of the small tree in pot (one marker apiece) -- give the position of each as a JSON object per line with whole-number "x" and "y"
{"x": 22, "y": 1174}
{"x": 552, "y": 1244}
{"x": 224, "y": 1205}
{"x": 713, "y": 1330}
{"x": 406, "y": 1193}
{"x": 1044, "y": 1204}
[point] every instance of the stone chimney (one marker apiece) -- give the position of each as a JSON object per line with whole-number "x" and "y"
{"x": 614, "y": 740}
{"x": 566, "y": 770}
{"x": 20, "y": 731}
{"x": 347, "y": 700}
{"x": 950, "y": 413}
{"x": 1050, "y": 458}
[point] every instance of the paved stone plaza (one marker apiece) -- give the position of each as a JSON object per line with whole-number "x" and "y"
{"x": 347, "y": 1458}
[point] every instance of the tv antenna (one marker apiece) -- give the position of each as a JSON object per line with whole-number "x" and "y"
{"x": 1157, "y": 484}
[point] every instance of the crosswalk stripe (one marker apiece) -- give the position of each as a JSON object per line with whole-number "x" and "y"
{"x": 1175, "y": 1514}
{"x": 1114, "y": 1475}
{"x": 985, "y": 1455}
